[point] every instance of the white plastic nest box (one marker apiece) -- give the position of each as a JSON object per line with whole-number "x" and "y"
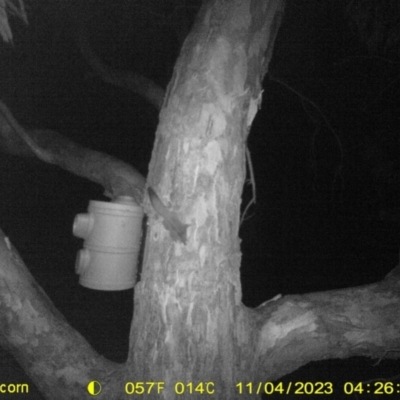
{"x": 112, "y": 233}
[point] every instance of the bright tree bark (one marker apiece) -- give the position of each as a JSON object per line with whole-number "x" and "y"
{"x": 189, "y": 318}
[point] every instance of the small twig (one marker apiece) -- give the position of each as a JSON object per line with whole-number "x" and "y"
{"x": 318, "y": 119}
{"x": 253, "y": 184}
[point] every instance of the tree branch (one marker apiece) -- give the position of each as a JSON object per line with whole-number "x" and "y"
{"x": 43, "y": 342}
{"x": 117, "y": 177}
{"x": 135, "y": 83}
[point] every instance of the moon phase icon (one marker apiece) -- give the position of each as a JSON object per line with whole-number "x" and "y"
{"x": 94, "y": 388}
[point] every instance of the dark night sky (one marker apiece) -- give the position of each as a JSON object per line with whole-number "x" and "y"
{"x": 327, "y": 213}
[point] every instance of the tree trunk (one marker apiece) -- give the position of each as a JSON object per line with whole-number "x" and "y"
{"x": 189, "y": 319}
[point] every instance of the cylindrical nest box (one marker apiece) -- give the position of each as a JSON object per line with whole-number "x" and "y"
{"x": 112, "y": 233}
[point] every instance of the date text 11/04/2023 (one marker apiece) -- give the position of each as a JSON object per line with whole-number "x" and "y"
{"x": 324, "y": 388}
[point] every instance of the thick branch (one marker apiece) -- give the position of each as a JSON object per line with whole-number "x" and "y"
{"x": 51, "y": 352}
{"x": 294, "y": 330}
{"x": 117, "y": 177}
